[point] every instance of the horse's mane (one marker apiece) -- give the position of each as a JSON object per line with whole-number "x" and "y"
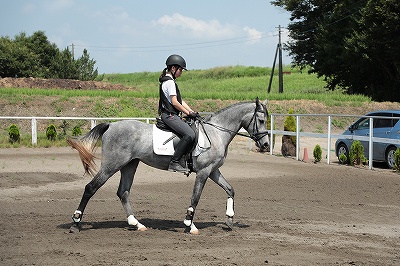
{"x": 231, "y": 106}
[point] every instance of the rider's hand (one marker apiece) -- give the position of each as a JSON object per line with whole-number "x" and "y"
{"x": 193, "y": 115}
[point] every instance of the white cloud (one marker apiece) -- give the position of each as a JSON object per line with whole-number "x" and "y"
{"x": 198, "y": 28}
{"x": 253, "y": 34}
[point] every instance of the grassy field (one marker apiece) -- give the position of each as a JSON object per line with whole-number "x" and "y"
{"x": 239, "y": 83}
{"x": 206, "y": 90}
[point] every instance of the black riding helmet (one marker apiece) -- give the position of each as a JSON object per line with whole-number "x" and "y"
{"x": 176, "y": 60}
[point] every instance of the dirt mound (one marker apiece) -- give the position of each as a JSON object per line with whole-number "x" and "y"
{"x": 58, "y": 84}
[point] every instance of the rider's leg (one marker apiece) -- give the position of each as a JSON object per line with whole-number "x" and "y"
{"x": 183, "y": 146}
{"x": 187, "y": 135}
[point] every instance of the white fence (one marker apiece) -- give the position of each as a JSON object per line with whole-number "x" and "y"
{"x": 329, "y": 135}
{"x": 273, "y": 131}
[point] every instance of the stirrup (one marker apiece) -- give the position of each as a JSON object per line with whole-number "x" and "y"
{"x": 177, "y": 167}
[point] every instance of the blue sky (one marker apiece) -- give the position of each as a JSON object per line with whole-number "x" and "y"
{"x": 126, "y": 36}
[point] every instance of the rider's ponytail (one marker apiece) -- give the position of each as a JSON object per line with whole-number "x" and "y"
{"x": 164, "y": 72}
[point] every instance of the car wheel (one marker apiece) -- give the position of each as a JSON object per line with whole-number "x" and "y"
{"x": 342, "y": 149}
{"x": 390, "y": 157}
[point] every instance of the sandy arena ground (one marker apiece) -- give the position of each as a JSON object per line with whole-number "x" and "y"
{"x": 288, "y": 213}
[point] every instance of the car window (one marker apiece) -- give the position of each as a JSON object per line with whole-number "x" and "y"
{"x": 363, "y": 124}
{"x": 396, "y": 121}
{"x": 381, "y": 122}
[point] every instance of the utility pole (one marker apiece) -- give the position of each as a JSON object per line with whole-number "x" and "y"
{"x": 280, "y": 62}
{"x": 73, "y": 51}
{"x": 278, "y": 53}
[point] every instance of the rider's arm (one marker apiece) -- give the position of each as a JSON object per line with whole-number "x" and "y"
{"x": 184, "y": 108}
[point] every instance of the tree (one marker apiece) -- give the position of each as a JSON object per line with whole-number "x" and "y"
{"x": 353, "y": 45}
{"x": 35, "y": 56}
{"x": 64, "y": 66}
{"x": 85, "y": 67}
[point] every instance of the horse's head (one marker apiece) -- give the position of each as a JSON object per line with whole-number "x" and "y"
{"x": 257, "y": 127}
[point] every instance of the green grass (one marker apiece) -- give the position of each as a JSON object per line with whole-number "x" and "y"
{"x": 238, "y": 83}
{"x": 224, "y": 83}
{"x": 199, "y": 88}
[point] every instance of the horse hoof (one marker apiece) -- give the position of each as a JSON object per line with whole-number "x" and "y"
{"x": 142, "y": 228}
{"x": 229, "y": 222}
{"x": 194, "y": 232}
{"x": 74, "y": 228}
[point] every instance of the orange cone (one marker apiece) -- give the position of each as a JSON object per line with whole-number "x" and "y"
{"x": 305, "y": 156}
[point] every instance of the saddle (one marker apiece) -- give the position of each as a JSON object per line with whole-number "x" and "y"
{"x": 165, "y": 141}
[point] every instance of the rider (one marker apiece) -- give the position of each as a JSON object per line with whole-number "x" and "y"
{"x": 171, "y": 106}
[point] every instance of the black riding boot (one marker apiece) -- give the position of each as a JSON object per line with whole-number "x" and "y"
{"x": 183, "y": 146}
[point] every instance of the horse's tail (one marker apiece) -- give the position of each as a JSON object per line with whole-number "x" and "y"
{"x": 85, "y": 146}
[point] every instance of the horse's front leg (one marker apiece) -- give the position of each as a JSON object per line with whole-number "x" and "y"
{"x": 201, "y": 179}
{"x": 218, "y": 178}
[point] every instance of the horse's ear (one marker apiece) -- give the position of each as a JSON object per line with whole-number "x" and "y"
{"x": 265, "y": 102}
{"x": 257, "y": 101}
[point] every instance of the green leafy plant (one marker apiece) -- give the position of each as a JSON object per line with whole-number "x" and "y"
{"x": 64, "y": 126}
{"x": 290, "y": 125}
{"x": 357, "y": 153}
{"x": 342, "y": 158}
{"x": 317, "y": 153}
{"x": 397, "y": 160}
{"x": 51, "y": 132}
{"x": 76, "y": 131}
{"x": 13, "y": 133}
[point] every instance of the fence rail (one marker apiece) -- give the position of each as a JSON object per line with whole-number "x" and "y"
{"x": 329, "y": 136}
{"x": 273, "y": 132}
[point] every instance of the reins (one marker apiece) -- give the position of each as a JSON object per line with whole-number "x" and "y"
{"x": 254, "y": 136}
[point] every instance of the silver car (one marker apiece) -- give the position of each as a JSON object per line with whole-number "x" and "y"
{"x": 386, "y": 127}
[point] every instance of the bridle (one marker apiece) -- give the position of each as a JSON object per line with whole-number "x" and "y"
{"x": 255, "y": 135}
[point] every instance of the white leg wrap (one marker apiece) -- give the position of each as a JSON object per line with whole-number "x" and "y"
{"x": 229, "y": 207}
{"x": 77, "y": 216}
{"x": 186, "y": 221}
{"x": 132, "y": 220}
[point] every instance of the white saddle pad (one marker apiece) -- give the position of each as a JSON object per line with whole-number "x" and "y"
{"x": 161, "y": 148}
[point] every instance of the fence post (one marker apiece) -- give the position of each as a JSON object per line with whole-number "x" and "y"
{"x": 328, "y": 158}
{"x": 271, "y": 141}
{"x": 34, "y": 131}
{"x": 297, "y": 137}
{"x": 370, "y": 144}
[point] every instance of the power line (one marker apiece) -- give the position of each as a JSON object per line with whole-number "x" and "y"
{"x": 187, "y": 46}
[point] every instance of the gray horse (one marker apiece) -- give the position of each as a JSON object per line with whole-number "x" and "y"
{"x": 126, "y": 143}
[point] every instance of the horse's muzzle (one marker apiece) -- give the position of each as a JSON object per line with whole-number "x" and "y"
{"x": 263, "y": 147}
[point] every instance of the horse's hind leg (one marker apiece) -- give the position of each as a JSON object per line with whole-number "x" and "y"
{"x": 90, "y": 189}
{"x": 218, "y": 178}
{"x": 127, "y": 175}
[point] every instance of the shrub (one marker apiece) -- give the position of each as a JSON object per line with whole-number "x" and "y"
{"x": 342, "y": 158}
{"x": 51, "y": 132}
{"x": 76, "y": 131}
{"x": 13, "y": 133}
{"x": 317, "y": 153}
{"x": 397, "y": 160}
{"x": 64, "y": 126}
{"x": 290, "y": 125}
{"x": 357, "y": 153}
